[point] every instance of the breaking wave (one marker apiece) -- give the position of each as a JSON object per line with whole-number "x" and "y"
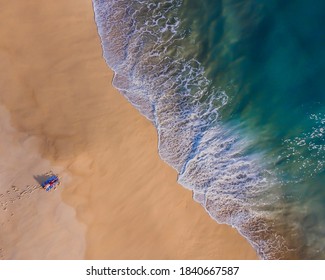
{"x": 145, "y": 44}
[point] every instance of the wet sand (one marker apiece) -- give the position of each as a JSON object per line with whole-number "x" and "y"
{"x": 60, "y": 113}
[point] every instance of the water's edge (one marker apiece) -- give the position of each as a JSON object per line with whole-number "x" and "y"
{"x": 189, "y": 140}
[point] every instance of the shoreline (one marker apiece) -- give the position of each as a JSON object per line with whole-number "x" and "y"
{"x": 59, "y": 92}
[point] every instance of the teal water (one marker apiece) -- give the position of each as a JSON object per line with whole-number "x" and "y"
{"x": 235, "y": 91}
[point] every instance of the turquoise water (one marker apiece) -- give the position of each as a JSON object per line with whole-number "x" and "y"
{"x": 235, "y": 91}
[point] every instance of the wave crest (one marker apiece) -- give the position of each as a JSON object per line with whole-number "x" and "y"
{"x": 143, "y": 43}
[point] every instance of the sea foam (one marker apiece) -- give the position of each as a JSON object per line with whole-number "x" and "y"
{"x": 142, "y": 43}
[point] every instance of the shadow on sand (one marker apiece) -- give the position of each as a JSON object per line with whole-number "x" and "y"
{"x": 43, "y": 177}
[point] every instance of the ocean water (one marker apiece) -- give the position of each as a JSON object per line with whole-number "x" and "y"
{"x": 235, "y": 91}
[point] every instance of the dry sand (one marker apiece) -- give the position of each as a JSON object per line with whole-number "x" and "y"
{"x": 119, "y": 200}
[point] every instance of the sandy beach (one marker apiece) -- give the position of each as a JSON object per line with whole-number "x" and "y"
{"x": 59, "y": 112}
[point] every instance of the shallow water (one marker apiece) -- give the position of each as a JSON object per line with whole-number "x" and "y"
{"x": 234, "y": 89}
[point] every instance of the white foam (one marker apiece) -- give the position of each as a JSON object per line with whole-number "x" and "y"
{"x": 141, "y": 44}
